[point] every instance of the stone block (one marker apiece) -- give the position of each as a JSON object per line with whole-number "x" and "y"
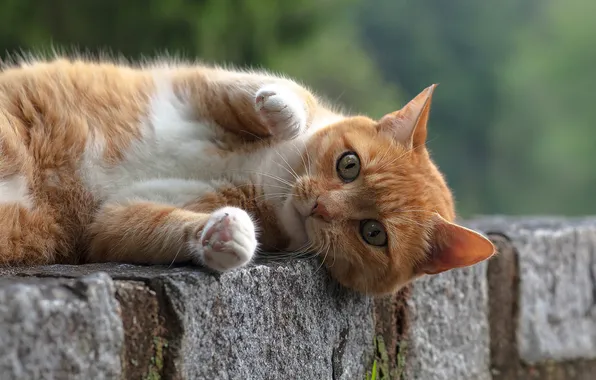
{"x": 261, "y": 322}
{"x": 270, "y": 322}
{"x": 448, "y": 334}
{"x": 542, "y": 298}
{"x": 59, "y": 328}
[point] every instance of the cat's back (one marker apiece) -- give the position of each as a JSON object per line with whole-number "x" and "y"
{"x": 60, "y": 107}
{"x": 52, "y": 95}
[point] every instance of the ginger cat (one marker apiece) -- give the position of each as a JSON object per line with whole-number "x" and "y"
{"x": 172, "y": 163}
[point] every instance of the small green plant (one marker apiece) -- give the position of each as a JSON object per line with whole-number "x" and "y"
{"x": 381, "y": 368}
{"x": 383, "y": 356}
{"x": 401, "y": 358}
{"x": 373, "y": 374}
{"x": 156, "y": 365}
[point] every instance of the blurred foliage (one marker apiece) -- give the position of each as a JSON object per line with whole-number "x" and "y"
{"x": 512, "y": 123}
{"x": 542, "y": 141}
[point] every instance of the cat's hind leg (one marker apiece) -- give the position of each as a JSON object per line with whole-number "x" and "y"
{"x": 30, "y": 233}
{"x": 28, "y": 236}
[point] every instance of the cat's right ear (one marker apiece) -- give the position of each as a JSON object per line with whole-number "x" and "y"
{"x": 455, "y": 246}
{"x": 408, "y": 125}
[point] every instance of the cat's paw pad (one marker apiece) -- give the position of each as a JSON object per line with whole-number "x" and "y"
{"x": 282, "y": 110}
{"x": 228, "y": 240}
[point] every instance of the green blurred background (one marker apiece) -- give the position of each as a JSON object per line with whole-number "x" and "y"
{"x": 513, "y": 121}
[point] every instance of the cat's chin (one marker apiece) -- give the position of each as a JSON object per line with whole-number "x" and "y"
{"x": 312, "y": 225}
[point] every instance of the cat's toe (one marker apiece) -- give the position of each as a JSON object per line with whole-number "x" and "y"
{"x": 228, "y": 240}
{"x": 282, "y": 110}
{"x": 263, "y": 102}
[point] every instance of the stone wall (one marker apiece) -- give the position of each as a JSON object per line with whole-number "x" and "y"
{"x": 528, "y": 313}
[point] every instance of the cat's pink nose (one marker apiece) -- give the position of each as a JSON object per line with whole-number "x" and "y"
{"x": 321, "y": 211}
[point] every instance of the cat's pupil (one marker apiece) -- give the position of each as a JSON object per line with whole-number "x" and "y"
{"x": 374, "y": 233}
{"x": 350, "y": 166}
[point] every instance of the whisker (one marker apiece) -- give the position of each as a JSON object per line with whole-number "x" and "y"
{"x": 289, "y": 255}
{"x": 306, "y": 164}
{"x": 238, "y": 186}
{"x": 324, "y": 257}
{"x": 281, "y": 180}
{"x": 308, "y": 159}
{"x": 416, "y": 210}
{"x": 274, "y": 196}
{"x": 176, "y": 255}
{"x": 291, "y": 170}
{"x": 289, "y": 184}
{"x": 411, "y": 221}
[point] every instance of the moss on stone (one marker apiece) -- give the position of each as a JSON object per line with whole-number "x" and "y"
{"x": 381, "y": 369}
{"x": 401, "y": 360}
{"x": 156, "y": 366}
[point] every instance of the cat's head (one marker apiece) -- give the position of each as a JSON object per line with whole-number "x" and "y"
{"x": 376, "y": 207}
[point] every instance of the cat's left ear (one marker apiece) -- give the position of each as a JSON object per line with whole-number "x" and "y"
{"x": 455, "y": 246}
{"x": 408, "y": 125}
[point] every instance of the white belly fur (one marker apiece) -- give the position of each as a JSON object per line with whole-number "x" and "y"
{"x": 169, "y": 164}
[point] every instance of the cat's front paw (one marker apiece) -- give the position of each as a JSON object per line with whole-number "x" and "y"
{"x": 227, "y": 241}
{"x": 282, "y": 110}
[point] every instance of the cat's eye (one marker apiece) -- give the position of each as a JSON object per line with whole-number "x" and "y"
{"x": 373, "y": 232}
{"x": 348, "y": 166}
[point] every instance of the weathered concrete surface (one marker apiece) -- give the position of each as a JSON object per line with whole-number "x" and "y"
{"x": 542, "y": 298}
{"x": 448, "y": 335}
{"x": 59, "y": 329}
{"x": 261, "y": 322}
{"x": 557, "y": 286}
{"x": 271, "y": 323}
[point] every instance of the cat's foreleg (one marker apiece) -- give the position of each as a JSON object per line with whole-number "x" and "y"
{"x": 135, "y": 229}
{"x": 286, "y": 111}
{"x": 251, "y": 105}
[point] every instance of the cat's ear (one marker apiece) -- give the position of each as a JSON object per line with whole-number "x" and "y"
{"x": 408, "y": 125}
{"x": 455, "y": 246}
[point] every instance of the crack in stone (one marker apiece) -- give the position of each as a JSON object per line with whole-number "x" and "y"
{"x": 592, "y": 271}
{"x": 78, "y": 289}
{"x": 338, "y": 354}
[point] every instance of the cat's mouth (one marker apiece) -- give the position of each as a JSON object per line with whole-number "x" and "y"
{"x": 310, "y": 221}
